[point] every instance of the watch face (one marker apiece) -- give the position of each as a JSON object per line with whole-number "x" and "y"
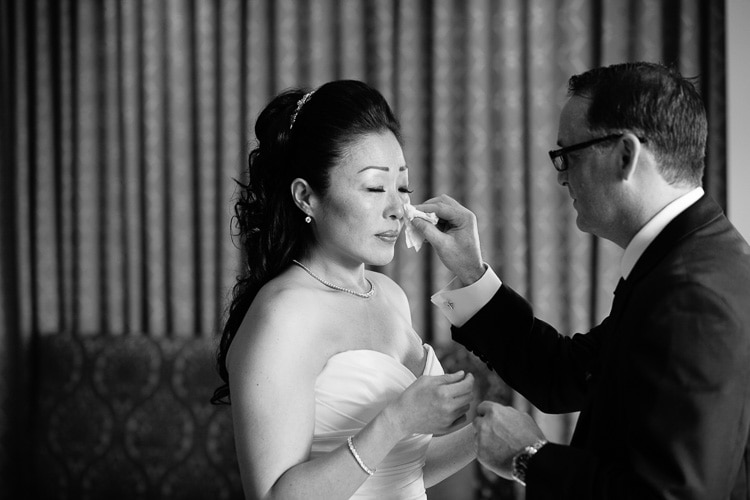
{"x": 521, "y": 461}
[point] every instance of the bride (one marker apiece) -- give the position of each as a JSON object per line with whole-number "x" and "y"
{"x": 333, "y": 393}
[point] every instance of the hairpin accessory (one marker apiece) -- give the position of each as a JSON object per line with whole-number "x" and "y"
{"x": 308, "y": 219}
{"x": 300, "y": 103}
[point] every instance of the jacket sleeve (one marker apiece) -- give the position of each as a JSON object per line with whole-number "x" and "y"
{"x": 547, "y": 368}
{"x": 682, "y": 397}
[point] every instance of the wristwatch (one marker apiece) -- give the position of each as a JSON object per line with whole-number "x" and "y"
{"x": 521, "y": 461}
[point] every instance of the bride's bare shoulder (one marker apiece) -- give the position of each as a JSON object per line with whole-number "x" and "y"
{"x": 287, "y": 296}
{"x": 284, "y": 318}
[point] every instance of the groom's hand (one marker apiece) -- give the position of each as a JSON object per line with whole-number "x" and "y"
{"x": 455, "y": 238}
{"x": 501, "y": 433}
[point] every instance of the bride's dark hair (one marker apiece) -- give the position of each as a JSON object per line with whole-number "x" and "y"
{"x": 270, "y": 228}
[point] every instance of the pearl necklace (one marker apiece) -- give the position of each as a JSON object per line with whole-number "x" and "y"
{"x": 365, "y": 295}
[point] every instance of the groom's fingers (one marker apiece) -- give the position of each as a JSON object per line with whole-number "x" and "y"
{"x": 430, "y": 231}
{"x": 444, "y": 206}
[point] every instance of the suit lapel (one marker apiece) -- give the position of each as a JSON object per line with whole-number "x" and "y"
{"x": 699, "y": 214}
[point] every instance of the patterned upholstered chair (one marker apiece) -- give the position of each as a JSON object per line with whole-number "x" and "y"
{"x": 127, "y": 417}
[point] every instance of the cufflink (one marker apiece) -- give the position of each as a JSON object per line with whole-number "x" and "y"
{"x": 449, "y": 304}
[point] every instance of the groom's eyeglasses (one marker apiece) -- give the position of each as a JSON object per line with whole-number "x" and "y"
{"x": 559, "y": 158}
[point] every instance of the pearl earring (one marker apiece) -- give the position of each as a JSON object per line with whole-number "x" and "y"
{"x": 308, "y": 219}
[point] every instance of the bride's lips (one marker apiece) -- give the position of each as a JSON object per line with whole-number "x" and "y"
{"x": 389, "y": 236}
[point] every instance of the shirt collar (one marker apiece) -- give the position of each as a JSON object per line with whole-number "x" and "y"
{"x": 651, "y": 230}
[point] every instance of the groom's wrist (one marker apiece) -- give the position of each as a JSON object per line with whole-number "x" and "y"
{"x": 471, "y": 274}
{"x": 521, "y": 461}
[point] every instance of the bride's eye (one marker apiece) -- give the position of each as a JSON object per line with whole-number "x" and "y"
{"x": 406, "y": 190}
{"x": 376, "y": 189}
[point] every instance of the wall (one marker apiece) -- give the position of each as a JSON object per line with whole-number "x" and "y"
{"x": 738, "y": 115}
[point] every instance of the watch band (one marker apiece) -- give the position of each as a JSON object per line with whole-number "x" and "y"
{"x": 521, "y": 461}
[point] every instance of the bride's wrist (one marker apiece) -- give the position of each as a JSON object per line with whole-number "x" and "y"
{"x": 394, "y": 421}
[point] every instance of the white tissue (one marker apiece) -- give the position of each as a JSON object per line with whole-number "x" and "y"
{"x": 413, "y": 238}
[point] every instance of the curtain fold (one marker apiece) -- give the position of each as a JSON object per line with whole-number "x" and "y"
{"x": 125, "y": 123}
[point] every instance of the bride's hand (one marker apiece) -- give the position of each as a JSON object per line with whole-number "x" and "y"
{"x": 433, "y": 404}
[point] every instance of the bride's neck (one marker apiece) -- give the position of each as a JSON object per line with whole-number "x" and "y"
{"x": 350, "y": 275}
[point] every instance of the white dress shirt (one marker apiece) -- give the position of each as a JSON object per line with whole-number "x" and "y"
{"x": 459, "y": 304}
{"x": 651, "y": 230}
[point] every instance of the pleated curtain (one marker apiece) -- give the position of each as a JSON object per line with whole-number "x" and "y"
{"x": 125, "y": 123}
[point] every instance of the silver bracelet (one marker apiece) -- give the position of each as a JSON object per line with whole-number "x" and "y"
{"x": 357, "y": 457}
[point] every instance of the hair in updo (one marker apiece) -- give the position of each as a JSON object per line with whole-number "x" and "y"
{"x": 293, "y": 140}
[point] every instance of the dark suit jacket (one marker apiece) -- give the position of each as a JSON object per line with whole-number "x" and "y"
{"x": 662, "y": 384}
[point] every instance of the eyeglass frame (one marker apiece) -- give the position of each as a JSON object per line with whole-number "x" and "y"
{"x": 560, "y": 153}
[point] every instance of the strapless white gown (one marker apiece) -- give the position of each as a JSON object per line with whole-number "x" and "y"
{"x": 352, "y": 388}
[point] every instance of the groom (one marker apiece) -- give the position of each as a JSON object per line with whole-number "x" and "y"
{"x": 663, "y": 383}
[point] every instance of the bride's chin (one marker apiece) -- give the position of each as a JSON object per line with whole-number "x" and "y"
{"x": 380, "y": 260}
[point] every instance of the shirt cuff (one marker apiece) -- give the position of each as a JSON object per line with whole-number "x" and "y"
{"x": 459, "y": 304}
